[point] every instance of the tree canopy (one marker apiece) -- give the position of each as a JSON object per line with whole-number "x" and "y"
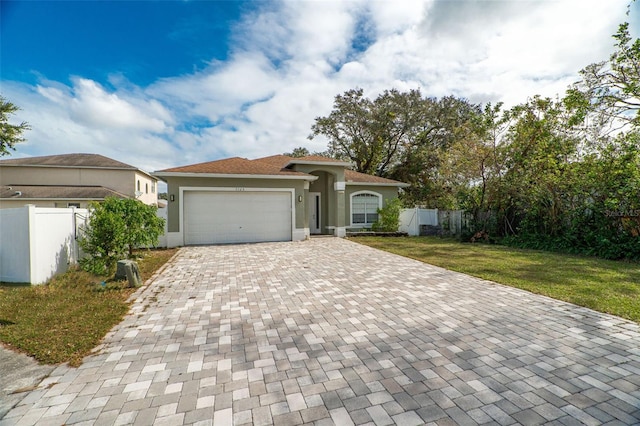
{"x": 370, "y": 134}
{"x": 298, "y": 152}
{"x": 609, "y": 91}
{"x": 399, "y": 135}
{"x": 552, "y": 173}
{"x": 10, "y": 134}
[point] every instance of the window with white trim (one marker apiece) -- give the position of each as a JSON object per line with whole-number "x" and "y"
{"x": 364, "y": 208}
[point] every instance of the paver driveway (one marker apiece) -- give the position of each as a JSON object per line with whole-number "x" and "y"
{"x": 331, "y": 332}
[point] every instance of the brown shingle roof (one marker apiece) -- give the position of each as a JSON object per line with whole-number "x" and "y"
{"x": 69, "y": 160}
{"x": 273, "y": 165}
{"x": 67, "y": 192}
{"x": 357, "y": 177}
{"x": 284, "y": 160}
{"x": 234, "y": 166}
{"x": 319, "y": 159}
{"x": 276, "y": 160}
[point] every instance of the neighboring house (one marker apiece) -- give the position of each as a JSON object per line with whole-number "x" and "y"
{"x": 72, "y": 180}
{"x": 276, "y": 198}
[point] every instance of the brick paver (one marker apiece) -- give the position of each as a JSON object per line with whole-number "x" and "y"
{"x": 331, "y": 332}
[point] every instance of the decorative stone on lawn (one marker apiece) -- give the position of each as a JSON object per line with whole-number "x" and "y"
{"x": 128, "y": 269}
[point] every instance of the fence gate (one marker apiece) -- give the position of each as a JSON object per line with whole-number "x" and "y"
{"x": 418, "y": 221}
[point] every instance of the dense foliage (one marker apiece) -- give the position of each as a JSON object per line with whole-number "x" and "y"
{"x": 10, "y": 134}
{"x": 116, "y": 226}
{"x": 399, "y": 135}
{"x": 388, "y": 216}
{"x": 555, "y": 174}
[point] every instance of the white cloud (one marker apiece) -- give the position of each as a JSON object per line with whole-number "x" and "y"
{"x": 92, "y": 105}
{"x": 221, "y": 89}
{"x": 390, "y": 18}
{"x": 320, "y": 30}
{"x": 58, "y": 125}
{"x": 289, "y": 59}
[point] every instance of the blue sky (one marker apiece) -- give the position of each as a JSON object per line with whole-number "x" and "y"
{"x": 166, "y": 83}
{"x": 143, "y": 40}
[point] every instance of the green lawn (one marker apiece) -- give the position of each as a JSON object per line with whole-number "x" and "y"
{"x": 604, "y": 285}
{"x": 65, "y": 319}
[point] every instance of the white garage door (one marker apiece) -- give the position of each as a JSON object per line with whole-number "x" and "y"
{"x": 236, "y": 217}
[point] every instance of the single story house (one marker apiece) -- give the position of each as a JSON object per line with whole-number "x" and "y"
{"x": 72, "y": 180}
{"x": 277, "y": 198}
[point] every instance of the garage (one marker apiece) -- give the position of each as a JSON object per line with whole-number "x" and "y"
{"x": 224, "y": 217}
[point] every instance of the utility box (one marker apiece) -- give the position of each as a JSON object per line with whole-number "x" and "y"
{"x": 128, "y": 269}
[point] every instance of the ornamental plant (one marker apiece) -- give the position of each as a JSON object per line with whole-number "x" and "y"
{"x": 388, "y": 217}
{"x": 115, "y": 227}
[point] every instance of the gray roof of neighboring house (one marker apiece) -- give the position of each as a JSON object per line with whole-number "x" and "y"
{"x": 60, "y": 192}
{"x": 91, "y": 161}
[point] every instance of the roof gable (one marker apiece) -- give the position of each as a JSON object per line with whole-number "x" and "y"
{"x": 351, "y": 176}
{"x": 234, "y": 166}
{"x": 276, "y": 160}
{"x": 286, "y": 161}
{"x": 319, "y": 159}
{"x": 275, "y": 165}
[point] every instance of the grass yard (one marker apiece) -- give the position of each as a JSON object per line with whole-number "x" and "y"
{"x": 603, "y": 285}
{"x": 65, "y": 319}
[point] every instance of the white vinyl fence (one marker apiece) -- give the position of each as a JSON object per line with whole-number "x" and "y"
{"x": 37, "y": 243}
{"x": 419, "y": 221}
{"x": 412, "y": 219}
{"x": 162, "y": 240}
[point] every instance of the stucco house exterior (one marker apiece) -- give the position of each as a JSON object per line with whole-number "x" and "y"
{"x": 277, "y": 198}
{"x": 72, "y": 180}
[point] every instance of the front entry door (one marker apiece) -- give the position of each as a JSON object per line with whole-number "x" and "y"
{"x": 314, "y": 213}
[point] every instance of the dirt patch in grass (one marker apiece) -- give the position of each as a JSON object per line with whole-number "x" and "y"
{"x": 63, "y": 320}
{"x": 604, "y": 285}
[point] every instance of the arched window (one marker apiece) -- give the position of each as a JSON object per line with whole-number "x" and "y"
{"x": 138, "y": 185}
{"x": 364, "y": 208}
{"x": 146, "y": 188}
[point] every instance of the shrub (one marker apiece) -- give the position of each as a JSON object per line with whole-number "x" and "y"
{"x": 115, "y": 227}
{"x": 388, "y": 217}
